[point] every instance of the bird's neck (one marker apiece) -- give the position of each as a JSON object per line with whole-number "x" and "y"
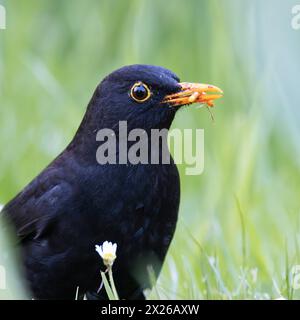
{"x": 97, "y": 127}
{"x": 121, "y": 136}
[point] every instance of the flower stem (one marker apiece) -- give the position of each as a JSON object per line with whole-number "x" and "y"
{"x": 112, "y": 284}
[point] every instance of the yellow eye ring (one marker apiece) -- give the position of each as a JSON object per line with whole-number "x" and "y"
{"x": 140, "y": 92}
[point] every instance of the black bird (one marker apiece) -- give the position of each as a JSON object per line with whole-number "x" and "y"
{"x": 76, "y": 203}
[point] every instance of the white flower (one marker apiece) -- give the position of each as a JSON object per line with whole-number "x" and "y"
{"x": 1, "y": 207}
{"x": 107, "y": 252}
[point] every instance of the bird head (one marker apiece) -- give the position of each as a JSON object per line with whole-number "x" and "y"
{"x": 145, "y": 96}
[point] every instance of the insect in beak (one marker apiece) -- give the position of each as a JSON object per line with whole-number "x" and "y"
{"x": 194, "y": 93}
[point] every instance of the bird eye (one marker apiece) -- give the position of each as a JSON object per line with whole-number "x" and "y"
{"x": 140, "y": 92}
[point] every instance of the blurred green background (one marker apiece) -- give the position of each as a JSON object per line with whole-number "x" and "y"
{"x": 238, "y": 233}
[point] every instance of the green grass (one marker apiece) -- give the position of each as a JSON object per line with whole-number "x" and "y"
{"x": 238, "y": 232}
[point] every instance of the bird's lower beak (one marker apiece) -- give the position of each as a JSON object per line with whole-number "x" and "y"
{"x": 194, "y": 93}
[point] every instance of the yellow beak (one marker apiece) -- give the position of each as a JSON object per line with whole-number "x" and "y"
{"x": 194, "y": 93}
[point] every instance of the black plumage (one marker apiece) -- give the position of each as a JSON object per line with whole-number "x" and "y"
{"x": 75, "y": 203}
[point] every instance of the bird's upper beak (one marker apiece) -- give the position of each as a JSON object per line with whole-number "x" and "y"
{"x": 194, "y": 93}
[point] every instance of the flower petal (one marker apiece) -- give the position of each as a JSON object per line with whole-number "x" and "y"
{"x": 105, "y": 246}
{"x": 99, "y": 250}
